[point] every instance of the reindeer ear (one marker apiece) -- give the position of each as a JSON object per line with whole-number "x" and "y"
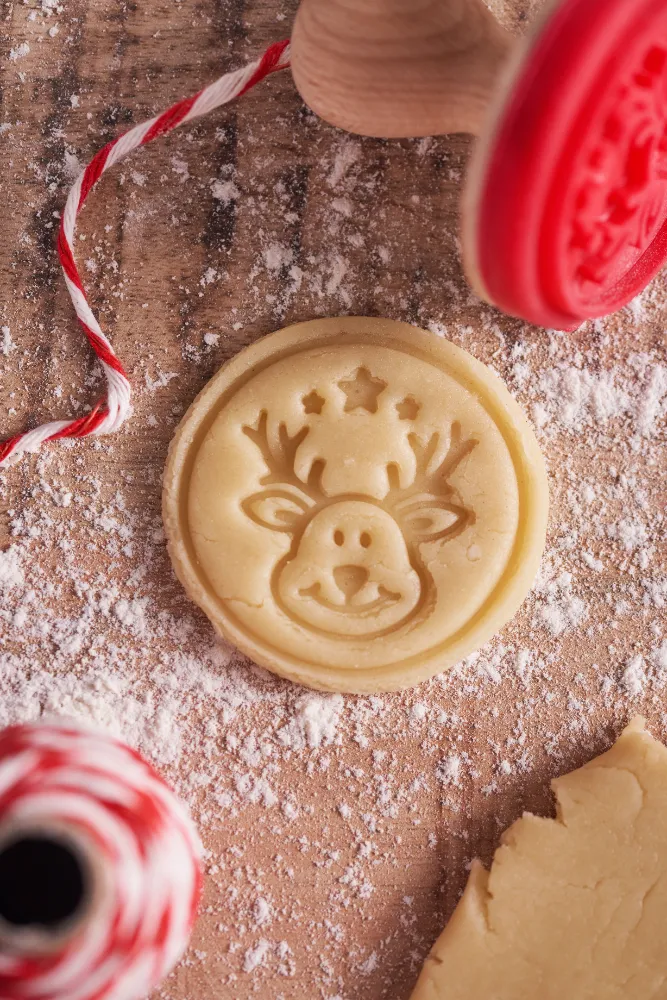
{"x": 276, "y": 509}
{"x": 432, "y": 519}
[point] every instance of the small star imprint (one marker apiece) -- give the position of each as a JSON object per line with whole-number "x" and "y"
{"x": 408, "y": 408}
{"x": 362, "y": 391}
{"x": 313, "y": 402}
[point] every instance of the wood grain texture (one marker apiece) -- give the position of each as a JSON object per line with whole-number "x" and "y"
{"x": 390, "y": 69}
{"x": 309, "y": 221}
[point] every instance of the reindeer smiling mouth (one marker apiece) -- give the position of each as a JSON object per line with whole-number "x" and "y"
{"x": 384, "y": 599}
{"x": 354, "y": 567}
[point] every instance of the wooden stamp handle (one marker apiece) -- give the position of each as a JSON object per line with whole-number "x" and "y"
{"x": 398, "y": 68}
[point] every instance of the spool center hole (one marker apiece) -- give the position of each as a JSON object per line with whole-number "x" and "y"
{"x": 42, "y": 882}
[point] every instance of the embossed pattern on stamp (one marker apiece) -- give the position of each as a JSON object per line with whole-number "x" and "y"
{"x": 621, "y": 201}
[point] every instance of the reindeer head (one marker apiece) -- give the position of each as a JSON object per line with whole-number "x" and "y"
{"x": 354, "y": 566}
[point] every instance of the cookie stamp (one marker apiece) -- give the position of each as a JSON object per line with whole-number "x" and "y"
{"x": 355, "y": 503}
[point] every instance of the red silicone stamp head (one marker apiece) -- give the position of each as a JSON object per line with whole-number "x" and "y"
{"x": 567, "y": 199}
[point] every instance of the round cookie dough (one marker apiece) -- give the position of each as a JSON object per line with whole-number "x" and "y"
{"x": 356, "y": 504}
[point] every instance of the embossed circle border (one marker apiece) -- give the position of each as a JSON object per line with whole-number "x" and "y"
{"x": 528, "y": 462}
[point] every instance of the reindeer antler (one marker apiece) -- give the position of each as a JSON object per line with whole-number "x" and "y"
{"x": 457, "y": 451}
{"x": 423, "y": 480}
{"x": 281, "y": 465}
{"x": 424, "y": 453}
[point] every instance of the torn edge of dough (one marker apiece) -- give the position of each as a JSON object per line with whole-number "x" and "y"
{"x": 472, "y": 911}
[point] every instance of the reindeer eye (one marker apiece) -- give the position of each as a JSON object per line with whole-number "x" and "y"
{"x": 339, "y": 538}
{"x": 365, "y": 540}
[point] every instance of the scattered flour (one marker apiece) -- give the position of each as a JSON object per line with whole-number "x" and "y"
{"x": 20, "y": 52}
{"x": 630, "y": 534}
{"x": 315, "y": 722}
{"x": 262, "y": 912}
{"x": 659, "y": 657}
{"x": 348, "y": 153}
{"x": 254, "y": 957}
{"x": 633, "y": 678}
{"x": 11, "y": 574}
{"x": 277, "y": 257}
{"x": 225, "y": 192}
{"x": 448, "y": 770}
{"x": 577, "y": 398}
{"x": 72, "y": 167}
{"x": 559, "y": 609}
{"x": 6, "y": 342}
{"x": 180, "y": 168}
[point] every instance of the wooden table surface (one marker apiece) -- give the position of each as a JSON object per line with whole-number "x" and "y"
{"x": 337, "y": 846}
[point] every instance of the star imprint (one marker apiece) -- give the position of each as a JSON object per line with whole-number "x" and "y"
{"x": 408, "y": 408}
{"x": 362, "y": 391}
{"x": 313, "y": 402}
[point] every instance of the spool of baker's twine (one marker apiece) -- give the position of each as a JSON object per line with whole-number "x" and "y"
{"x": 111, "y": 412}
{"x": 99, "y": 868}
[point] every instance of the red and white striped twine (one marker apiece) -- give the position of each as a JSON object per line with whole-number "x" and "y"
{"x": 138, "y": 847}
{"x": 109, "y": 413}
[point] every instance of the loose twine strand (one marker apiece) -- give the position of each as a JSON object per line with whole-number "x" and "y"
{"x": 115, "y": 407}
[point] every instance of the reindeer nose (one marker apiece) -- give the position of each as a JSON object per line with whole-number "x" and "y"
{"x": 350, "y": 579}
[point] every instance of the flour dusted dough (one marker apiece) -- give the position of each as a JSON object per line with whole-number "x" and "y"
{"x": 355, "y": 503}
{"x": 573, "y": 908}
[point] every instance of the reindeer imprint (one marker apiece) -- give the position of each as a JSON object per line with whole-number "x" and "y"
{"x": 377, "y": 501}
{"x": 354, "y": 567}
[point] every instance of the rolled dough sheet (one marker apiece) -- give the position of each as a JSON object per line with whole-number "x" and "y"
{"x": 573, "y": 908}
